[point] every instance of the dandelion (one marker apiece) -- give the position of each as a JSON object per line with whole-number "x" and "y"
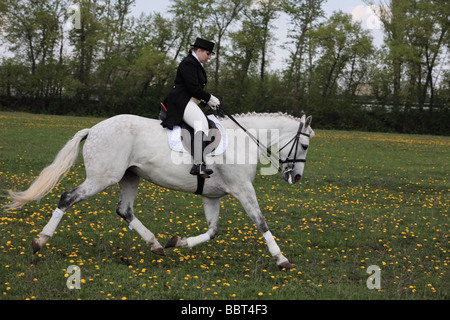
{"x": 325, "y": 220}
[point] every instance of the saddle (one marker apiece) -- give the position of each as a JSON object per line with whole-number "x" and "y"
{"x": 212, "y": 141}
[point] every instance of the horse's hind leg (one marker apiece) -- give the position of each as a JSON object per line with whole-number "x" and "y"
{"x": 128, "y": 191}
{"x": 87, "y": 189}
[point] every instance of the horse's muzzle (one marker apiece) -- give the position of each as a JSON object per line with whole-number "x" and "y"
{"x": 291, "y": 177}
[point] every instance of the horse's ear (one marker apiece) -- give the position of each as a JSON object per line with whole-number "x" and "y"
{"x": 307, "y": 124}
{"x": 308, "y": 121}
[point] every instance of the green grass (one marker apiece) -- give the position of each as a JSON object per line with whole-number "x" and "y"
{"x": 365, "y": 199}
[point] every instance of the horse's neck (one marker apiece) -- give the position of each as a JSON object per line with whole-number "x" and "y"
{"x": 270, "y": 129}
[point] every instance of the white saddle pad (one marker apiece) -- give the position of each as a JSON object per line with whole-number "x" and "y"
{"x": 175, "y": 143}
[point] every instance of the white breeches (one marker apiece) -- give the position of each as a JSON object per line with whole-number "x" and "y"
{"x": 195, "y": 117}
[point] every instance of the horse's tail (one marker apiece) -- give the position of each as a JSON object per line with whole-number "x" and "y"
{"x": 51, "y": 175}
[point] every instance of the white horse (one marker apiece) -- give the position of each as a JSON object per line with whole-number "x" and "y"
{"x": 125, "y": 148}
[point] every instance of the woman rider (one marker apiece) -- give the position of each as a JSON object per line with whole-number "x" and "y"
{"x": 183, "y": 100}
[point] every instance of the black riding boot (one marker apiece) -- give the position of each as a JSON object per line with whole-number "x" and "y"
{"x": 198, "y": 147}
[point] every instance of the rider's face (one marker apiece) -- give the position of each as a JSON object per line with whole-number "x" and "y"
{"x": 203, "y": 55}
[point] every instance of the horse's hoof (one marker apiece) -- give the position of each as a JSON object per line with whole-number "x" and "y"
{"x": 286, "y": 265}
{"x": 172, "y": 243}
{"x": 159, "y": 251}
{"x": 36, "y": 246}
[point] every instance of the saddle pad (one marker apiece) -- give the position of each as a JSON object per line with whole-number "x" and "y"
{"x": 175, "y": 143}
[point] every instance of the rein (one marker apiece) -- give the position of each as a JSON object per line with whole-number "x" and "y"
{"x": 267, "y": 153}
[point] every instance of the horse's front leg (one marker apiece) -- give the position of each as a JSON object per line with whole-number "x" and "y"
{"x": 212, "y": 209}
{"x": 247, "y": 196}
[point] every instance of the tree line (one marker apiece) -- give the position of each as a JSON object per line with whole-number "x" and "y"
{"x": 93, "y": 57}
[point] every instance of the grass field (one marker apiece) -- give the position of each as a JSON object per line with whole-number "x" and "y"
{"x": 365, "y": 199}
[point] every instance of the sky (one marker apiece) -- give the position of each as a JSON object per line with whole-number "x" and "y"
{"x": 359, "y": 10}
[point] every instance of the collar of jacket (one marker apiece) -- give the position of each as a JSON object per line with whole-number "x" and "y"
{"x": 196, "y": 57}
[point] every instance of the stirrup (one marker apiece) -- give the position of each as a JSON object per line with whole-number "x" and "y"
{"x": 201, "y": 170}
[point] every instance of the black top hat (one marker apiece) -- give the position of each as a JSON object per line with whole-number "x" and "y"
{"x": 204, "y": 44}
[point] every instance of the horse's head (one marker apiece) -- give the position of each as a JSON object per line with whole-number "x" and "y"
{"x": 293, "y": 153}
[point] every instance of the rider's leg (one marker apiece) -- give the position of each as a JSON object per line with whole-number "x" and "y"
{"x": 195, "y": 118}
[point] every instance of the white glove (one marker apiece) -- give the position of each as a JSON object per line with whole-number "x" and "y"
{"x": 213, "y": 102}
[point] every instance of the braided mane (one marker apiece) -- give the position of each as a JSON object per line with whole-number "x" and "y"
{"x": 264, "y": 114}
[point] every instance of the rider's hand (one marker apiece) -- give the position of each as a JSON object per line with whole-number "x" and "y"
{"x": 213, "y": 102}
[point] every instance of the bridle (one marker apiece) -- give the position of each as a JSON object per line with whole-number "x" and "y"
{"x": 267, "y": 153}
{"x": 296, "y": 140}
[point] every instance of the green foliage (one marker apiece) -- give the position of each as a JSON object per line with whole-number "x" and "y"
{"x": 112, "y": 62}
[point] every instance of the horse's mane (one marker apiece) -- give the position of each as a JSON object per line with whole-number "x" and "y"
{"x": 264, "y": 114}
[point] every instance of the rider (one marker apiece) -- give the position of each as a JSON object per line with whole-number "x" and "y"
{"x": 183, "y": 100}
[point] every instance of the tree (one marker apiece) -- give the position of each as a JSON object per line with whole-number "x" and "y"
{"x": 343, "y": 48}
{"x": 114, "y": 46}
{"x": 303, "y": 14}
{"x": 245, "y": 48}
{"x": 189, "y": 17}
{"x": 416, "y": 37}
{"x": 261, "y": 15}
{"x": 86, "y": 41}
{"x": 39, "y": 73}
{"x": 428, "y": 33}
{"x": 152, "y": 37}
{"x": 223, "y": 13}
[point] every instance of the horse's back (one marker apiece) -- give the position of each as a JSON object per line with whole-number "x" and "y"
{"x": 124, "y": 126}
{"x": 114, "y": 141}
{"x": 126, "y": 122}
